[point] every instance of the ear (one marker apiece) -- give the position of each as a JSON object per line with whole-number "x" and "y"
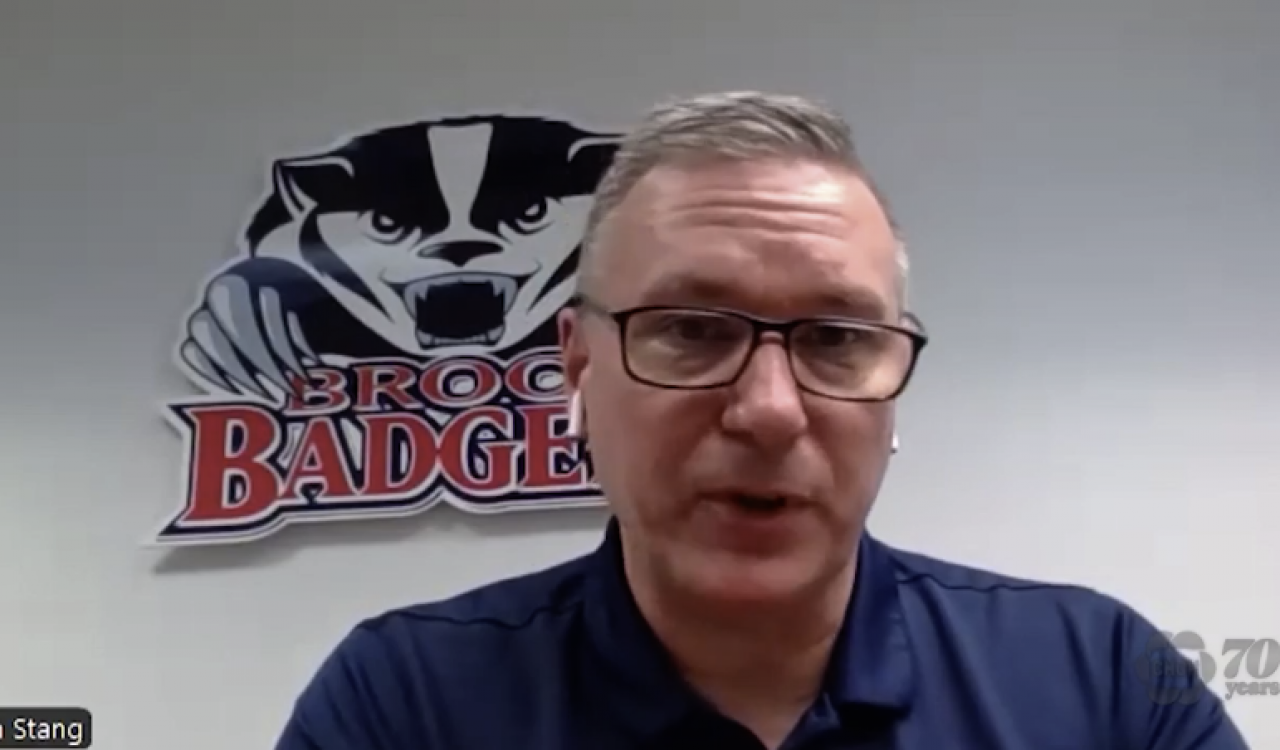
{"x": 913, "y": 322}
{"x": 573, "y": 348}
{"x": 589, "y": 158}
{"x": 305, "y": 182}
{"x": 573, "y": 351}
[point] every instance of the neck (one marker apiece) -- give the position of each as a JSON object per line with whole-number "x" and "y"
{"x": 759, "y": 663}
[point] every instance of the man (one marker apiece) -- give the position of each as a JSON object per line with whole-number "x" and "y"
{"x": 734, "y": 354}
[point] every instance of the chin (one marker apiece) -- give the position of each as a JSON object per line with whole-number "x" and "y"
{"x": 732, "y": 580}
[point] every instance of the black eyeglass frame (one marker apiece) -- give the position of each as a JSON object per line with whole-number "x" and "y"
{"x": 914, "y": 332}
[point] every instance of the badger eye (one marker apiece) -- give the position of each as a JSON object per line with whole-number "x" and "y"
{"x": 384, "y": 227}
{"x": 533, "y": 218}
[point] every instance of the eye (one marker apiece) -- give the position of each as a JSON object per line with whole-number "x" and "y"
{"x": 685, "y": 329}
{"x": 384, "y": 227}
{"x": 834, "y": 337}
{"x": 533, "y": 218}
{"x": 696, "y": 328}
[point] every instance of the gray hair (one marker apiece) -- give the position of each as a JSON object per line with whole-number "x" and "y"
{"x": 736, "y": 125}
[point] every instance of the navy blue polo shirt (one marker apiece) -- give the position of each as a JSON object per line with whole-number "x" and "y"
{"x": 932, "y": 656}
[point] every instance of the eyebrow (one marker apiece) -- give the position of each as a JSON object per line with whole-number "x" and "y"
{"x": 830, "y": 299}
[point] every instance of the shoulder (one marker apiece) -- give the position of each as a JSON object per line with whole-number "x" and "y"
{"x": 508, "y": 610}
{"x": 1064, "y": 624}
{"x": 1059, "y": 648}
{"x": 978, "y": 590}
{"x": 413, "y": 672}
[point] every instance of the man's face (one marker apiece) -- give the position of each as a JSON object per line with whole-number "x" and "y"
{"x": 780, "y": 240}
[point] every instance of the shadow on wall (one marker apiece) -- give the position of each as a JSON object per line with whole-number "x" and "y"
{"x": 444, "y": 519}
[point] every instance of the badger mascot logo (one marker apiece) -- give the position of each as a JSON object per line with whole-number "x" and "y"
{"x": 386, "y": 338}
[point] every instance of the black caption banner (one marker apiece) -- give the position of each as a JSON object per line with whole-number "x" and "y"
{"x": 45, "y": 727}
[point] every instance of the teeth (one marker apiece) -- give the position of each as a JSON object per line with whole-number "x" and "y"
{"x": 501, "y": 285}
{"x": 490, "y": 337}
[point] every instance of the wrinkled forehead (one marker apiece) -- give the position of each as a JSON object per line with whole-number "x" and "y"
{"x": 781, "y": 240}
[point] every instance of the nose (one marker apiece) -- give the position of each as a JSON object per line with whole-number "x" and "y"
{"x": 462, "y": 252}
{"x": 767, "y": 408}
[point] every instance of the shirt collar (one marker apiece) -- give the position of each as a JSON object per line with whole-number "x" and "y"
{"x": 872, "y": 670}
{"x": 872, "y": 666}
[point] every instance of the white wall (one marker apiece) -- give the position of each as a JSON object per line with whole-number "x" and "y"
{"x": 1090, "y": 190}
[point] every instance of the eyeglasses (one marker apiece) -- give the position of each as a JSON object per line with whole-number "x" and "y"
{"x": 692, "y": 348}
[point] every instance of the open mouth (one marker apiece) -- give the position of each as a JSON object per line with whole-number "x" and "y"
{"x": 462, "y": 308}
{"x": 761, "y": 504}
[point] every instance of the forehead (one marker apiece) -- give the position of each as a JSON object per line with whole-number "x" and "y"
{"x": 780, "y": 238}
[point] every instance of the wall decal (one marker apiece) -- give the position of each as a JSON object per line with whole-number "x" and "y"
{"x": 385, "y": 339}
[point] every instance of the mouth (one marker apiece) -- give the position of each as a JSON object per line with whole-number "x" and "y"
{"x": 461, "y": 308}
{"x": 762, "y": 505}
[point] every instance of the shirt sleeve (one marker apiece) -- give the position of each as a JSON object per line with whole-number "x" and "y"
{"x": 351, "y": 703}
{"x": 1166, "y": 703}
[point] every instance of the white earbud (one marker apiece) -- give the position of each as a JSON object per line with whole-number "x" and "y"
{"x": 575, "y": 415}
{"x": 893, "y": 447}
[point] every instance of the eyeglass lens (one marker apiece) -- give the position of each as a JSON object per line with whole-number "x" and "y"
{"x": 695, "y": 348}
